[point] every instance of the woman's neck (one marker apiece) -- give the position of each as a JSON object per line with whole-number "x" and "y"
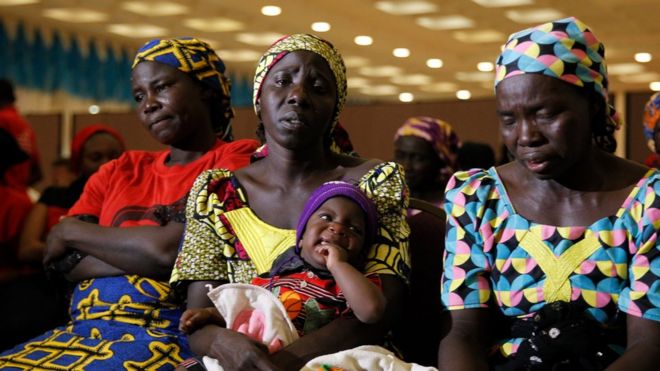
{"x": 181, "y": 155}
{"x": 289, "y": 166}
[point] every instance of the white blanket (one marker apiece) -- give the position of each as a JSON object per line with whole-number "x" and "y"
{"x": 366, "y": 357}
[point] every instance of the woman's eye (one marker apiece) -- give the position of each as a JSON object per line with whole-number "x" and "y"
{"x": 138, "y": 97}
{"x": 507, "y": 121}
{"x": 545, "y": 115}
{"x": 320, "y": 86}
{"x": 160, "y": 88}
{"x": 281, "y": 79}
{"x": 325, "y": 217}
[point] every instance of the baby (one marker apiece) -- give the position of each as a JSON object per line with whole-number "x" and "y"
{"x": 319, "y": 279}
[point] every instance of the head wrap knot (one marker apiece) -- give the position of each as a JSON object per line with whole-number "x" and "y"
{"x": 651, "y": 118}
{"x": 565, "y": 49}
{"x": 332, "y": 189}
{"x": 196, "y": 59}
{"x": 439, "y": 134}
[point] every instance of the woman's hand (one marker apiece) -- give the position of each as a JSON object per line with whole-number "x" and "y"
{"x": 57, "y": 243}
{"x": 235, "y": 351}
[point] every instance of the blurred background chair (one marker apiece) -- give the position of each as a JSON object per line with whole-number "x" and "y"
{"x": 418, "y": 333}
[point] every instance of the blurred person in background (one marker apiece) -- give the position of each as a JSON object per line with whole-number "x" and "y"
{"x": 14, "y": 208}
{"x": 61, "y": 174}
{"x": 27, "y": 173}
{"x": 473, "y": 155}
{"x": 652, "y": 130}
{"x": 427, "y": 148}
{"x": 91, "y": 147}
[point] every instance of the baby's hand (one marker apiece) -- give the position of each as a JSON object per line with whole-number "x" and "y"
{"x": 332, "y": 254}
{"x": 193, "y": 319}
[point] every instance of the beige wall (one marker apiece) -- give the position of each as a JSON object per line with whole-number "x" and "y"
{"x": 47, "y": 128}
{"x": 371, "y": 127}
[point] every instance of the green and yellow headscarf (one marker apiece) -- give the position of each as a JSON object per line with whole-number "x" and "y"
{"x": 565, "y": 49}
{"x": 325, "y": 49}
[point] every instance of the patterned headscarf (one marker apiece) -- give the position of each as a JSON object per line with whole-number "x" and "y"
{"x": 439, "y": 134}
{"x": 83, "y": 135}
{"x": 565, "y": 49}
{"x": 325, "y": 49}
{"x": 196, "y": 59}
{"x": 651, "y": 118}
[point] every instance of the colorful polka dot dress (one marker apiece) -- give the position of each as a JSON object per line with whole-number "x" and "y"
{"x": 495, "y": 255}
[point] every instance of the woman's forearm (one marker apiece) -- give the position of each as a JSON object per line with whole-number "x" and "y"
{"x": 638, "y": 357}
{"x": 466, "y": 345}
{"x": 461, "y": 354}
{"x": 91, "y": 267}
{"x": 31, "y": 246}
{"x": 145, "y": 250}
{"x": 643, "y": 349}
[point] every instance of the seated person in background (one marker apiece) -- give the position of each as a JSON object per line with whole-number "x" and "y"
{"x": 27, "y": 173}
{"x": 652, "y": 130}
{"x": 61, "y": 174}
{"x": 39, "y": 304}
{"x": 91, "y": 147}
{"x": 238, "y": 223}
{"x": 475, "y": 155}
{"x": 562, "y": 242}
{"x": 122, "y": 316}
{"x": 427, "y": 149}
{"x": 320, "y": 279}
{"x": 14, "y": 208}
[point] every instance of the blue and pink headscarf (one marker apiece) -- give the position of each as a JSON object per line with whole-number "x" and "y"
{"x": 565, "y": 49}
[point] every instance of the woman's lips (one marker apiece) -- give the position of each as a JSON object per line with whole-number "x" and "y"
{"x": 536, "y": 165}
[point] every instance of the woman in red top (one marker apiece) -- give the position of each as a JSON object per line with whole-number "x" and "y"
{"x": 122, "y": 316}
{"x": 91, "y": 147}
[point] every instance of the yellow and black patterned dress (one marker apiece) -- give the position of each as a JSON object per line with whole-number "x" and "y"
{"x": 225, "y": 241}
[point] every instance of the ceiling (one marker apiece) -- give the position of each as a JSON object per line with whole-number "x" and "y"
{"x": 473, "y": 31}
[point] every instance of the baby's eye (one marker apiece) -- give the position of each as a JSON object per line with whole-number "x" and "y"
{"x": 355, "y": 229}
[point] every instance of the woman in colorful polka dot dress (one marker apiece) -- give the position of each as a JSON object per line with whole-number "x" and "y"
{"x": 561, "y": 243}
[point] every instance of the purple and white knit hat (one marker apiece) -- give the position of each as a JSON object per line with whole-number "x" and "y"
{"x": 333, "y": 189}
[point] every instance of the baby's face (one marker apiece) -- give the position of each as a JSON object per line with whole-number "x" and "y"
{"x": 339, "y": 222}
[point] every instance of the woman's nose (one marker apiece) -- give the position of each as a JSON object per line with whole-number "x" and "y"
{"x": 528, "y": 133}
{"x": 150, "y": 103}
{"x": 298, "y": 94}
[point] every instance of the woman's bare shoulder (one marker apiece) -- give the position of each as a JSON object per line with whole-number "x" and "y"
{"x": 356, "y": 167}
{"x": 628, "y": 172}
